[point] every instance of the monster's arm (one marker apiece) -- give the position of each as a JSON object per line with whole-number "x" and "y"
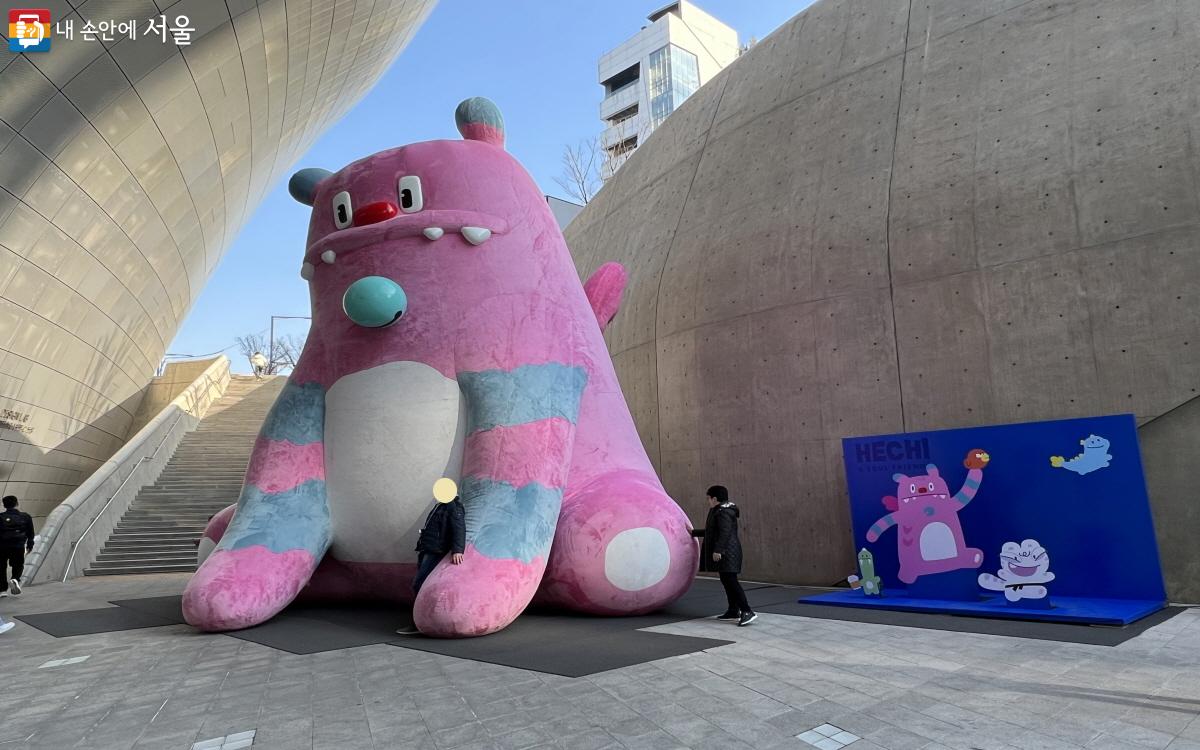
{"x": 975, "y": 461}
{"x": 281, "y": 528}
{"x": 520, "y": 432}
{"x": 879, "y": 527}
{"x": 283, "y": 505}
{"x": 603, "y": 290}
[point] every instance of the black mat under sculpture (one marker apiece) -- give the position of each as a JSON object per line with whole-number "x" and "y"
{"x": 91, "y": 621}
{"x": 552, "y": 641}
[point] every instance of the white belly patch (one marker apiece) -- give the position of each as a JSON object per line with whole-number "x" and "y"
{"x": 390, "y": 433}
{"x": 937, "y": 542}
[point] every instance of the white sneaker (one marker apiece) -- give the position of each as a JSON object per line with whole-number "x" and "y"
{"x": 5, "y": 627}
{"x": 3, "y": 594}
{"x": 14, "y": 587}
{"x": 410, "y": 630}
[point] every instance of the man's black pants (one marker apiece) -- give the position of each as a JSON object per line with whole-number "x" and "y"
{"x": 426, "y": 562}
{"x": 14, "y": 556}
{"x": 734, "y": 593}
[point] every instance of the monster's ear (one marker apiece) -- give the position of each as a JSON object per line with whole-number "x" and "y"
{"x": 303, "y": 185}
{"x": 931, "y": 470}
{"x": 478, "y": 119}
{"x": 899, "y": 477}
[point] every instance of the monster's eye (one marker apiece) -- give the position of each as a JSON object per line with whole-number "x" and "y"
{"x": 912, "y": 488}
{"x": 931, "y": 486}
{"x": 343, "y": 212}
{"x": 411, "y": 199}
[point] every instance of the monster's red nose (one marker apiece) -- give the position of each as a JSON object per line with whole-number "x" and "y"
{"x": 922, "y": 490}
{"x": 373, "y": 213}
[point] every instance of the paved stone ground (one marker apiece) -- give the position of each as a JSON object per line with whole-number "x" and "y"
{"x": 898, "y": 688}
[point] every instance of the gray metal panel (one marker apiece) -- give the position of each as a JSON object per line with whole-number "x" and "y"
{"x": 126, "y": 169}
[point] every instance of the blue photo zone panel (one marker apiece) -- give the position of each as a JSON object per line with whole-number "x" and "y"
{"x": 1040, "y": 520}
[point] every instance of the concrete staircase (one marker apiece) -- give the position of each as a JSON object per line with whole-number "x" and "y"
{"x": 158, "y": 533}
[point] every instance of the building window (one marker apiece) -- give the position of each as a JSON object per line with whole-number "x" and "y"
{"x": 672, "y": 76}
{"x": 624, "y": 147}
{"x": 623, "y": 115}
{"x": 621, "y": 80}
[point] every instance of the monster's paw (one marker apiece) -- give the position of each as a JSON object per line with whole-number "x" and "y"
{"x": 972, "y": 556}
{"x": 239, "y": 588}
{"x": 990, "y": 582}
{"x": 1013, "y": 594}
{"x": 477, "y": 597}
{"x": 213, "y": 533}
{"x": 906, "y": 575}
{"x": 622, "y": 547}
{"x": 977, "y": 458}
{"x": 872, "y": 536}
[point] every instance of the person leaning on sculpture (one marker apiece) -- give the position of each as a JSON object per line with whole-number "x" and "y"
{"x": 722, "y": 553}
{"x": 445, "y": 531}
{"x": 259, "y": 363}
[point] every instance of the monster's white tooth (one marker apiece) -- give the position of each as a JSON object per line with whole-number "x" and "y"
{"x": 307, "y": 271}
{"x": 329, "y": 256}
{"x": 433, "y": 233}
{"x": 476, "y": 235}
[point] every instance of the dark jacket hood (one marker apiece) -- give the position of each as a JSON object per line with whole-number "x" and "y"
{"x": 728, "y": 505}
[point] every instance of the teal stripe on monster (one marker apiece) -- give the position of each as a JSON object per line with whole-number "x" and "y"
{"x": 298, "y": 415}
{"x": 295, "y": 519}
{"x": 526, "y": 394}
{"x": 971, "y": 484}
{"x": 510, "y": 523}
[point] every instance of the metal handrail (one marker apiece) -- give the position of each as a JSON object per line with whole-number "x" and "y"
{"x": 143, "y": 459}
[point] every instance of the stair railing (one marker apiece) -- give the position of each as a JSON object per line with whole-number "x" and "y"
{"x": 138, "y": 465}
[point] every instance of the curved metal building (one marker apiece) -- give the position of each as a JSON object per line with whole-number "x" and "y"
{"x": 894, "y": 216}
{"x": 127, "y": 166}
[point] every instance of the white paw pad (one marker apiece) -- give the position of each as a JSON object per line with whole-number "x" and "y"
{"x": 637, "y": 559}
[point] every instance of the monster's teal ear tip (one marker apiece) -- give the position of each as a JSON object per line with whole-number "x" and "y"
{"x": 303, "y": 185}
{"x": 479, "y": 119}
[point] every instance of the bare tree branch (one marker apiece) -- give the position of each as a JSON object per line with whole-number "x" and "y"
{"x": 579, "y": 176}
{"x": 286, "y": 353}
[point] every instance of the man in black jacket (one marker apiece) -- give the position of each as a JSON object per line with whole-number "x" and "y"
{"x": 445, "y": 530}
{"x": 16, "y": 538}
{"x": 723, "y": 553}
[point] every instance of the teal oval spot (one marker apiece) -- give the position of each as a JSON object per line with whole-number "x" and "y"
{"x": 374, "y": 302}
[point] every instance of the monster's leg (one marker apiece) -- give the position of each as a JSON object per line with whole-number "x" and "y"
{"x": 213, "y": 531}
{"x": 281, "y": 527}
{"x": 521, "y": 431}
{"x": 622, "y": 546}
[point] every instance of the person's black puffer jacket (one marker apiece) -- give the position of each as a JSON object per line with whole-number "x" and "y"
{"x": 721, "y": 535}
{"x": 445, "y": 529}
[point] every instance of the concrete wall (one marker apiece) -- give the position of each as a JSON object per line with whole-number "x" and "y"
{"x": 77, "y": 528}
{"x": 901, "y": 216}
{"x": 177, "y": 378}
{"x": 127, "y": 167}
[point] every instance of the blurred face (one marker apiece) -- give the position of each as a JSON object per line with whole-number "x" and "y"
{"x": 713, "y": 502}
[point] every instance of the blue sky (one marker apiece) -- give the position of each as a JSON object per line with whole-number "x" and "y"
{"x": 536, "y": 60}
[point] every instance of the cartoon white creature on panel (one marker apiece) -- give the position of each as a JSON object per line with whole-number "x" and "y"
{"x": 1024, "y": 569}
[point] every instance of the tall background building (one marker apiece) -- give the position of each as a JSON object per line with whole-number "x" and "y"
{"x": 649, "y": 75}
{"x": 127, "y": 166}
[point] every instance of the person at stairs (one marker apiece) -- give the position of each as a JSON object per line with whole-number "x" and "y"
{"x": 260, "y": 364}
{"x": 723, "y": 553}
{"x": 16, "y": 538}
{"x": 445, "y": 531}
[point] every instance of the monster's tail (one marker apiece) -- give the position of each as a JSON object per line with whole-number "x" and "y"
{"x": 1057, "y": 461}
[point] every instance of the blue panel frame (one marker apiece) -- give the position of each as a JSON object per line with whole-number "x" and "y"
{"x": 1097, "y": 526}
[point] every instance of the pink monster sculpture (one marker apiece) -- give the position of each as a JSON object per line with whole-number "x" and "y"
{"x": 930, "y": 538}
{"x": 450, "y": 337}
